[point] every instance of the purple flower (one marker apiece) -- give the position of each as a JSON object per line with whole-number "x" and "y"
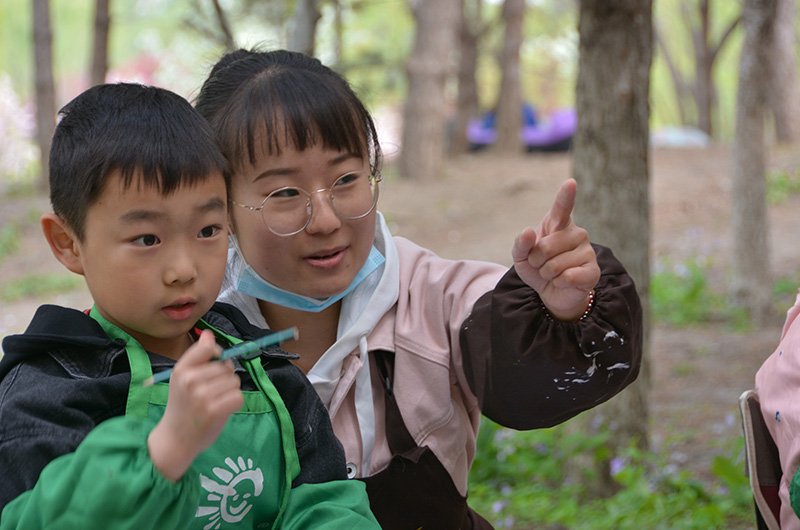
{"x": 616, "y": 465}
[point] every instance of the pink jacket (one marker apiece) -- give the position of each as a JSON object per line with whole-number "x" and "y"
{"x": 778, "y": 387}
{"x": 545, "y": 364}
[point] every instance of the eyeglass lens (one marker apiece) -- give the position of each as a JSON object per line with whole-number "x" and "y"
{"x": 287, "y": 211}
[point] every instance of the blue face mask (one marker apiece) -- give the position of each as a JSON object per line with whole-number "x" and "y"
{"x": 251, "y": 284}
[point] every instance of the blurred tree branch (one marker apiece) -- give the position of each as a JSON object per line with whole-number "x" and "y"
{"x": 217, "y": 30}
{"x": 701, "y": 88}
{"x": 45, "y": 85}
{"x": 102, "y": 23}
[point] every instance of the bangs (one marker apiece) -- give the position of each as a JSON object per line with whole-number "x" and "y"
{"x": 169, "y": 154}
{"x": 294, "y": 110}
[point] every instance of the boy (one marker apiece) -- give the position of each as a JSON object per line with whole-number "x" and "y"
{"x": 139, "y": 194}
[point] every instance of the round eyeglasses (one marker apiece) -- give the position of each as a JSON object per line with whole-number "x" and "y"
{"x": 287, "y": 211}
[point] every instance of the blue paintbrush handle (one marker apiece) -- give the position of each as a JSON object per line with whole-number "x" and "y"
{"x": 240, "y": 350}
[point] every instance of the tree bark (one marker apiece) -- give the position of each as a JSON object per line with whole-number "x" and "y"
{"x": 704, "y": 83}
{"x": 681, "y": 88}
{"x": 45, "y": 86}
{"x": 509, "y": 105}
{"x": 611, "y": 168}
{"x": 784, "y": 92}
{"x": 304, "y": 26}
{"x": 338, "y": 26}
{"x": 467, "y": 99}
{"x": 102, "y": 22}
{"x": 427, "y": 70}
{"x": 751, "y": 282}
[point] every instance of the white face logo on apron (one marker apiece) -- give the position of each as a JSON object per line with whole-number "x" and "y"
{"x": 234, "y": 493}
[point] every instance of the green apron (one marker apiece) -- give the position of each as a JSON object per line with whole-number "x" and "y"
{"x": 246, "y": 474}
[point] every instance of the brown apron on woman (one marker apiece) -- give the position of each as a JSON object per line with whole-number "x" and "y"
{"x": 415, "y": 492}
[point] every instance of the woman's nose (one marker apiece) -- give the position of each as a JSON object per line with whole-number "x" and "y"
{"x": 324, "y": 218}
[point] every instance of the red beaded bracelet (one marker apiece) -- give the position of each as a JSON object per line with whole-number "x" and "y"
{"x": 585, "y": 313}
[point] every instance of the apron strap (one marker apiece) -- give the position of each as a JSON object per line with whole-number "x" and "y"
{"x": 138, "y": 396}
{"x": 422, "y": 474}
{"x": 292, "y": 462}
{"x": 397, "y": 435}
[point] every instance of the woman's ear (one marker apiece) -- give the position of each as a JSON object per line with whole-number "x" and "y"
{"x": 62, "y": 241}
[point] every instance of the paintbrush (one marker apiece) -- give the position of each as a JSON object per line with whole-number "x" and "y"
{"x": 240, "y": 350}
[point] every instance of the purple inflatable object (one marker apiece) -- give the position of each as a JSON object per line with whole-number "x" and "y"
{"x": 552, "y": 134}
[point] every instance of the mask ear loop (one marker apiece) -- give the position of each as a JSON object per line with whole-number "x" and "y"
{"x": 234, "y": 242}
{"x": 229, "y": 222}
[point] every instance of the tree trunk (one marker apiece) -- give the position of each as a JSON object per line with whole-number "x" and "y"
{"x": 467, "y": 101}
{"x": 702, "y": 89}
{"x": 338, "y": 26}
{"x": 751, "y": 282}
{"x": 681, "y": 89}
{"x": 45, "y": 86}
{"x": 304, "y": 26}
{"x": 509, "y": 105}
{"x": 784, "y": 93}
{"x": 100, "y": 51}
{"x": 427, "y": 70}
{"x": 704, "y": 83}
{"x": 611, "y": 168}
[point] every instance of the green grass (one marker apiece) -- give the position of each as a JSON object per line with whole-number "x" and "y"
{"x": 517, "y": 481}
{"x": 680, "y": 294}
{"x": 682, "y": 369}
{"x": 34, "y": 285}
{"x": 781, "y": 185}
{"x": 784, "y": 291}
{"x": 10, "y": 238}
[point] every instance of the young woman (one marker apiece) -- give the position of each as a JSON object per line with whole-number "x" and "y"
{"x": 406, "y": 349}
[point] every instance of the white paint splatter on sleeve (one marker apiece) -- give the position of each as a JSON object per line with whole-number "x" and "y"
{"x": 619, "y": 366}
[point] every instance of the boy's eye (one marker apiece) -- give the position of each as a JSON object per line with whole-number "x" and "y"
{"x": 209, "y": 231}
{"x": 148, "y": 240}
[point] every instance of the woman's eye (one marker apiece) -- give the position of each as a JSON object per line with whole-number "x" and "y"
{"x": 209, "y": 231}
{"x": 349, "y": 178}
{"x": 285, "y": 193}
{"x": 147, "y": 240}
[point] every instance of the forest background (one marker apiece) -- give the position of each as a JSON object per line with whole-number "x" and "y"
{"x": 689, "y": 473}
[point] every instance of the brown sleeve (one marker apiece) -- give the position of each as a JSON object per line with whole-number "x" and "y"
{"x": 530, "y": 372}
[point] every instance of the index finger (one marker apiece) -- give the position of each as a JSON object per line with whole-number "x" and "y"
{"x": 563, "y": 205}
{"x": 204, "y": 350}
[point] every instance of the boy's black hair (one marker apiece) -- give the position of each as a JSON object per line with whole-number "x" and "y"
{"x": 141, "y": 131}
{"x": 254, "y": 99}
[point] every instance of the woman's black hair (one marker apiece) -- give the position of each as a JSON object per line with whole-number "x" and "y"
{"x": 257, "y": 100}
{"x": 143, "y": 132}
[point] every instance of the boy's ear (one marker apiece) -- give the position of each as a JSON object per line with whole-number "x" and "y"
{"x": 62, "y": 241}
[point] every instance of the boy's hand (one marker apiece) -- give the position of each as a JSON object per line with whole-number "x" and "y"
{"x": 202, "y": 395}
{"x": 557, "y": 259}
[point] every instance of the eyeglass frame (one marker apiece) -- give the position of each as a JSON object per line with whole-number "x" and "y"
{"x": 376, "y": 178}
